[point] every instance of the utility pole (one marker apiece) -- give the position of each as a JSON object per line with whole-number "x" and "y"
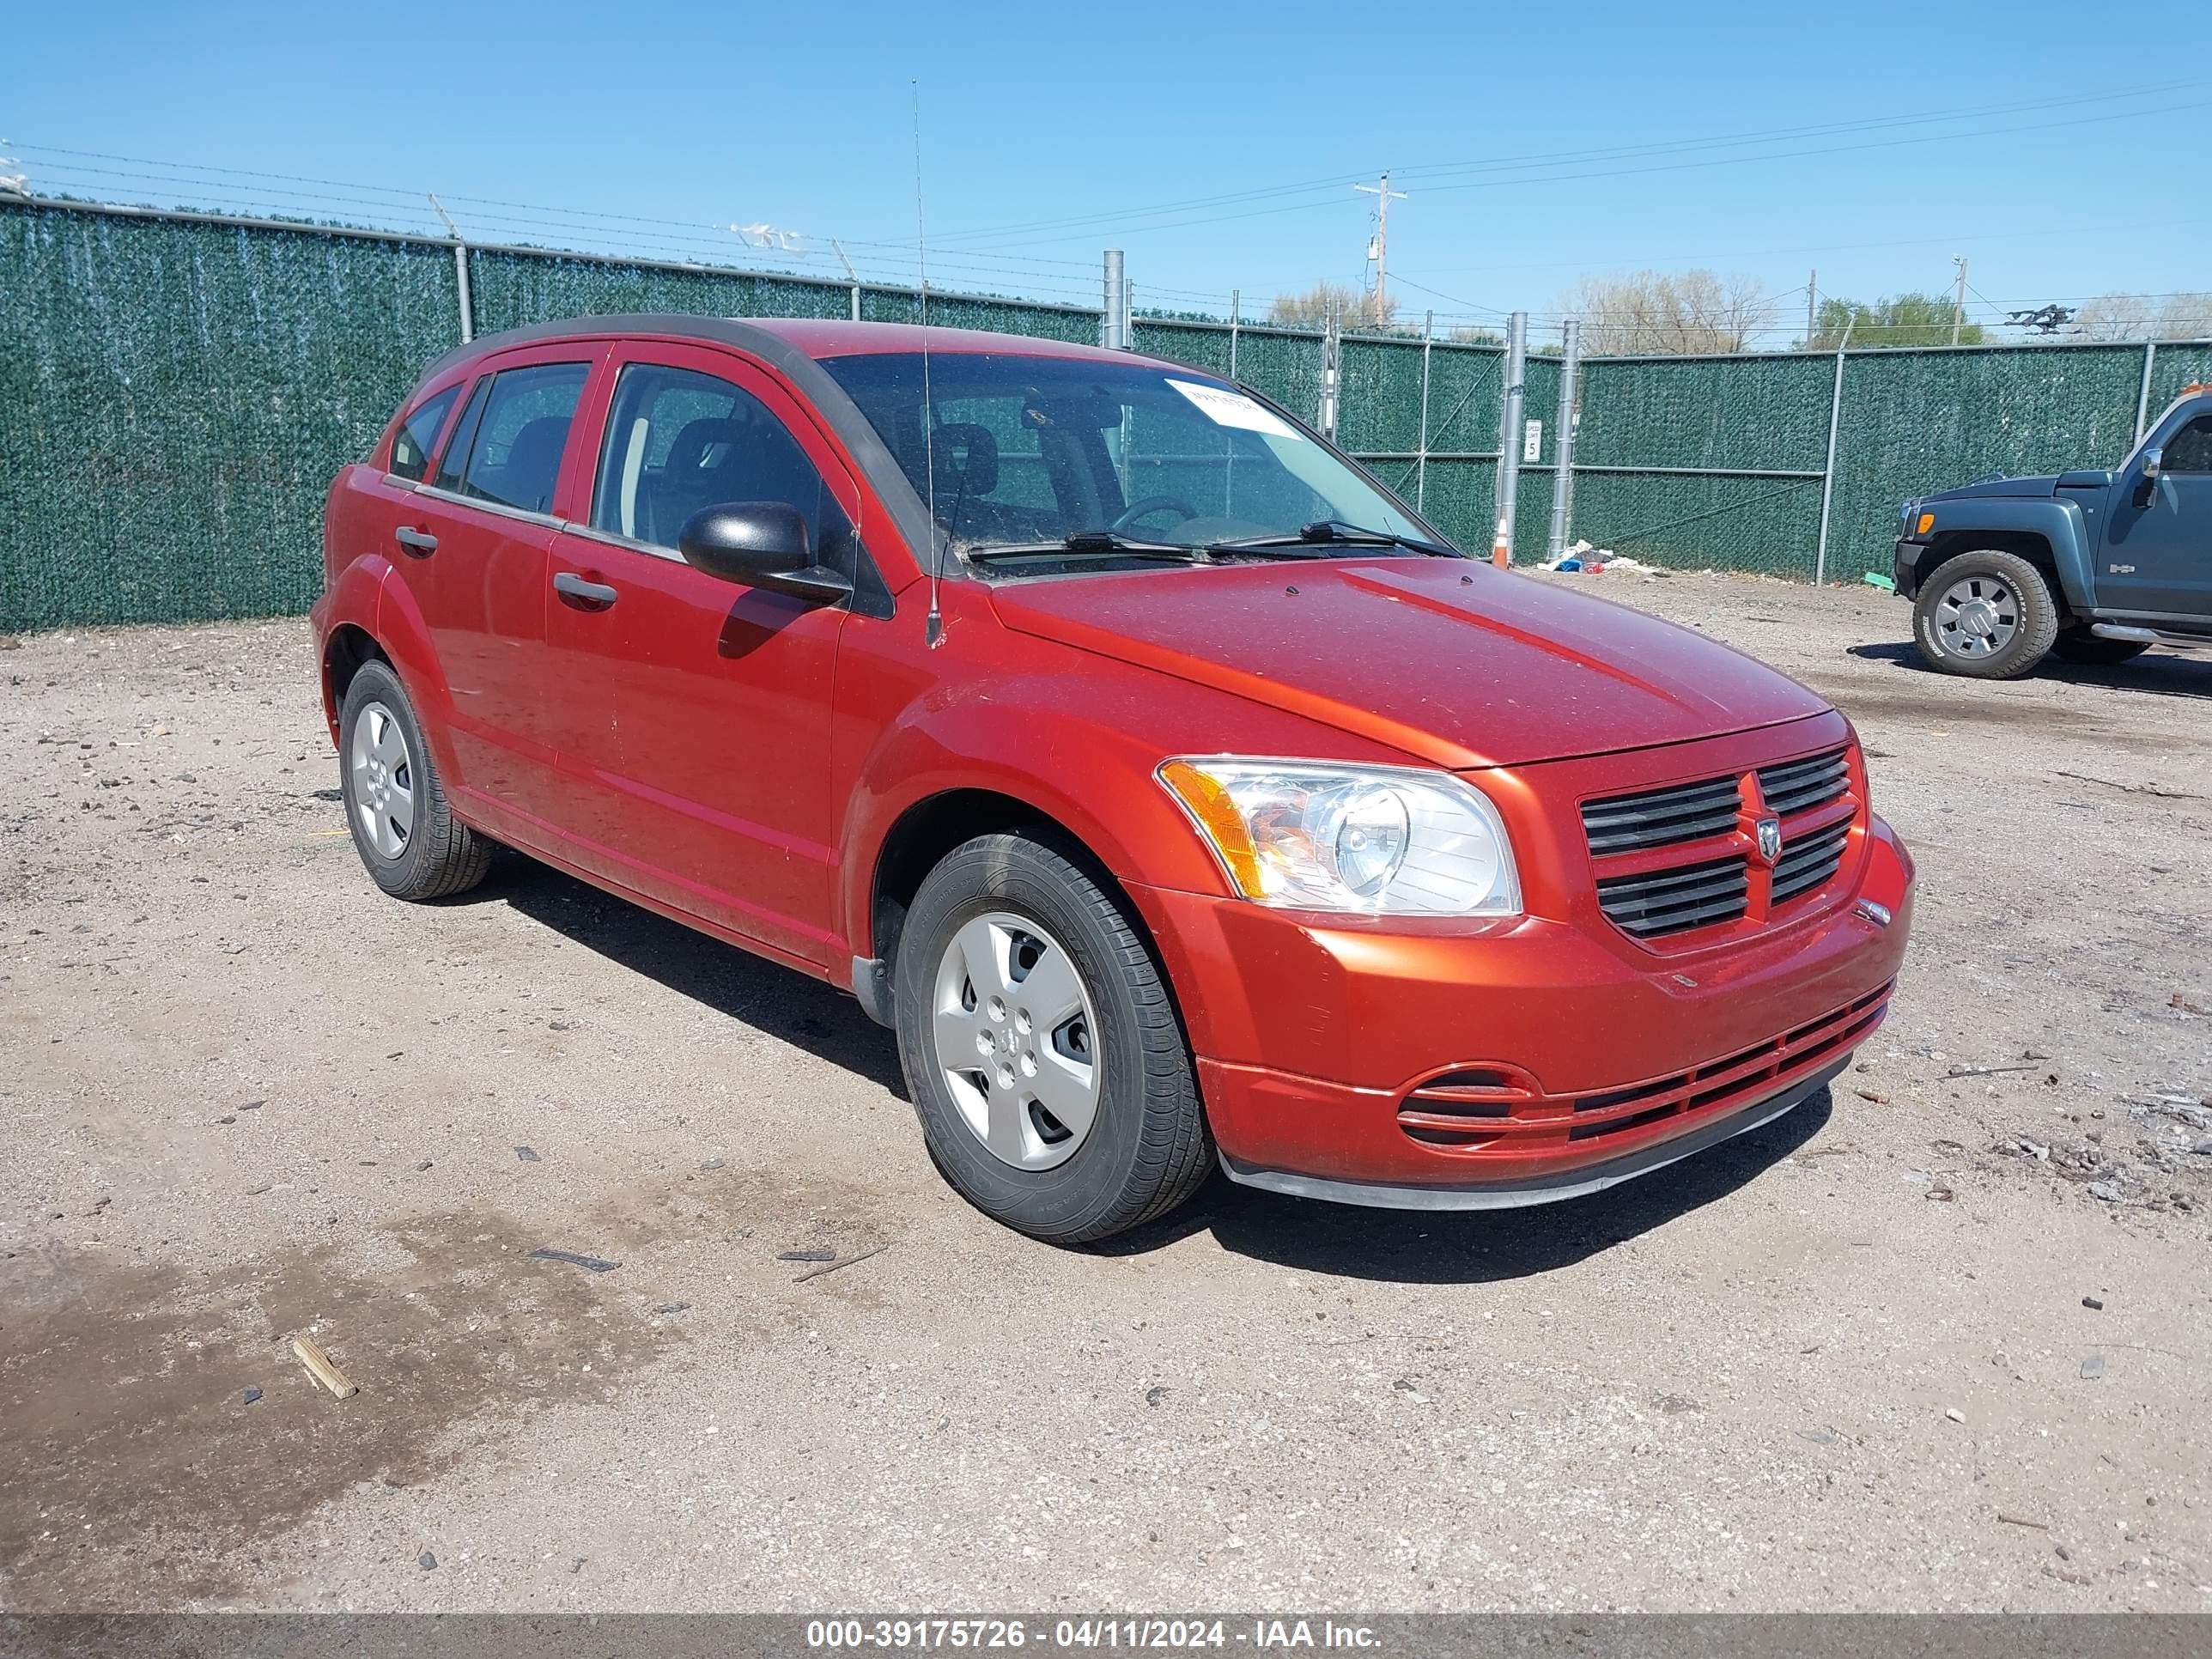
{"x": 1379, "y": 249}
{"x": 1958, "y": 302}
{"x": 1812, "y": 305}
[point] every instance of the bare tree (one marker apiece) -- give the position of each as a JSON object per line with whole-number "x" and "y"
{"x": 1680, "y": 312}
{"x": 1352, "y": 307}
{"x": 2145, "y": 317}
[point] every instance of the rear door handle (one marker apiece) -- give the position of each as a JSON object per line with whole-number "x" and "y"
{"x": 418, "y": 542}
{"x": 569, "y": 584}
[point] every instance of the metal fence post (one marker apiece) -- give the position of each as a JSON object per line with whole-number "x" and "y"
{"x": 1563, "y": 442}
{"x": 1421, "y": 454}
{"x": 1829, "y": 467}
{"x": 460, "y": 271}
{"x": 1509, "y": 436}
{"x": 1331, "y": 343}
{"x": 1110, "y": 320}
{"x": 1235, "y": 325}
{"x": 852, "y": 277}
{"x": 2142, "y": 393}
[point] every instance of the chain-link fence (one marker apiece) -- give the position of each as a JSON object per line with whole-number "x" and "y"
{"x": 177, "y": 390}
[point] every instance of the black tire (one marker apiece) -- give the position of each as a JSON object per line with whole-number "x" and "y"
{"x": 1147, "y": 1149}
{"x": 2026, "y": 603}
{"x": 440, "y": 855}
{"x": 2091, "y": 652}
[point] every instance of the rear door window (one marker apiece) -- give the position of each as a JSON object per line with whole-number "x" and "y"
{"x": 413, "y": 444}
{"x": 465, "y": 431}
{"x": 514, "y": 453}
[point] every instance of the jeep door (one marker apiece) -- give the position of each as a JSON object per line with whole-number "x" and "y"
{"x": 2157, "y": 558}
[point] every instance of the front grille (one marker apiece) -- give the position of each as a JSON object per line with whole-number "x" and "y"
{"x": 1675, "y": 900}
{"x": 1660, "y": 817}
{"x": 1498, "y": 1115}
{"x": 1806, "y": 862}
{"x": 1802, "y": 785}
{"x": 1710, "y": 820}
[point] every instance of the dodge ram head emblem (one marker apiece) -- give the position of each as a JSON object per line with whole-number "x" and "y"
{"x": 1770, "y": 840}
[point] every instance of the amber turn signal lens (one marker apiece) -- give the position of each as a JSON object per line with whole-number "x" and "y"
{"x": 1210, "y": 804}
{"x": 1927, "y": 522}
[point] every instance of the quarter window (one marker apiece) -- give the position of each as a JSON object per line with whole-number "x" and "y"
{"x": 2191, "y": 449}
{"x": 514, "y": 453}
{"x": 678, "y": 441}
{"x": 417, "y": 437}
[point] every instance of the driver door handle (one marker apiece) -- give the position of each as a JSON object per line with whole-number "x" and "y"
{"x": 420, "y": 543}
{"x": 597, "y": 595}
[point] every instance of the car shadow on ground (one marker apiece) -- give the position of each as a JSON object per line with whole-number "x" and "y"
{"x": 1472, "y": 1246}
{"x": 777, "y": 1001}
{"x": 1411, "y": 1246}
{"x": 2156, "y": 672}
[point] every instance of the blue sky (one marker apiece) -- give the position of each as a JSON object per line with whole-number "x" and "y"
{"x": 1051, "y": 130}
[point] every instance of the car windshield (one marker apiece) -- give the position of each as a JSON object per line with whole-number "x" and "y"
{"x": 1032, "y": 452}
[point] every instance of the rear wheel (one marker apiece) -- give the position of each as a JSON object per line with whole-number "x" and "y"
{"x": 2090, "y": 651}
{"x": 411, "y": 842}
{"x": 1987, "y": 614}
{"x": 1041, "y": 1047}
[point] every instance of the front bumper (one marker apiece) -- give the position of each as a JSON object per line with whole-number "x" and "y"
{"x": 1462, "y": 1067}
{"x": 1904, "y": 566}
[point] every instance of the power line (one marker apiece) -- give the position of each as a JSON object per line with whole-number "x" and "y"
{"x": 1336, "y": 183}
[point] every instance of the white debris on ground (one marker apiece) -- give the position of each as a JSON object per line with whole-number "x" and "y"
{"x": 1593, "y": 561}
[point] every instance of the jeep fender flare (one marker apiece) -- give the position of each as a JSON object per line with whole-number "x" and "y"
{"x": 2057, "y": 523}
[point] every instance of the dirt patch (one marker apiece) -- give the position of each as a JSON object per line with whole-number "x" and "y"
{"x": 139, "y": 1469}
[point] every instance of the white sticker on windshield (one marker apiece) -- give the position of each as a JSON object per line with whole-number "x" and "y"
{"x": 1225, "y": 408}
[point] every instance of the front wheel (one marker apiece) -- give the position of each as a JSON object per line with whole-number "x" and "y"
{"x": 1987, "y": 614}
{"x": 1042, "y": 1048}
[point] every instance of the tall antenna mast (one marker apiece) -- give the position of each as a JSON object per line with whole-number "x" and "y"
{"x": 933, "y": 629}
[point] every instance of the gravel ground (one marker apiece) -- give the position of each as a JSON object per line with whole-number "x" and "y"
{"x": 1843, "y": 1363}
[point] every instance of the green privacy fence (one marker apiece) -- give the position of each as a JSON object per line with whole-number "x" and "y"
{"x": 177, "y": 390}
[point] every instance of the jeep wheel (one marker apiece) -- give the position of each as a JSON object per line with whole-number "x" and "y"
{"x": 2091, "y": 652}
{"x": 1987, "y": 614}
{"x": 1040, "y": 1047}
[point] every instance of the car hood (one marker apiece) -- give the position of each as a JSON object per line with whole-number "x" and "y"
{"x": 1458, "y": 664}
{"x": 2043, "y": 484}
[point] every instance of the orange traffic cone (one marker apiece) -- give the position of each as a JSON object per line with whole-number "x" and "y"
{"x": 1500, "y": 555}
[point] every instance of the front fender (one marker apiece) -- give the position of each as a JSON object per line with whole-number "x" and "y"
{"x": 2058, "y": 522}
{"x": 1048, "y": 741}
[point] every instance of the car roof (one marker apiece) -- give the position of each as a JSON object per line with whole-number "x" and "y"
{"x": 782, "y": 338}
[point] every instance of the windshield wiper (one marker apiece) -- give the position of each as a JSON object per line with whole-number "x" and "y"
{"x": 1330, "y": 533}
{"x": 1091, "y": 544}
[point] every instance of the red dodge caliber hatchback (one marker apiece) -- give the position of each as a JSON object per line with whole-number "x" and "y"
{"x": 1175, "y": 793}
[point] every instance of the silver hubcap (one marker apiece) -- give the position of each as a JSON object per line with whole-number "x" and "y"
{"x": 1016, "y": 1040}
{"x": 1977, "y": 616}
{"x": 383, "y": 776}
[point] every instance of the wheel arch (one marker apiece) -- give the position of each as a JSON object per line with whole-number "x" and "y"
{"x": 921, "y": 836}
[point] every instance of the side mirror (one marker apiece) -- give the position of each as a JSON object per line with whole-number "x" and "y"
{"x": 2152, "y": 465}
{"x": 760, "y": 544}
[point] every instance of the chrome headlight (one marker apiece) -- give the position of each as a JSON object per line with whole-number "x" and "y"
{"x": 1380, "y": 840}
